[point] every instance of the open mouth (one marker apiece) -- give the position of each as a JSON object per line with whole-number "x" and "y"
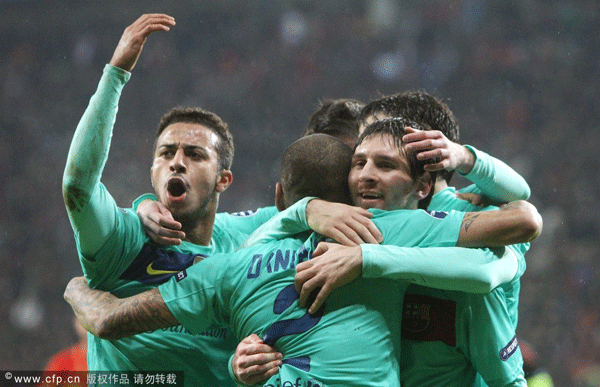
{"x": 370, "y": 195}
{"x": 176, "y": 187}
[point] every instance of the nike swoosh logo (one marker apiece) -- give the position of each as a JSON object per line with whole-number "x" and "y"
{"x": 152, "y": 271}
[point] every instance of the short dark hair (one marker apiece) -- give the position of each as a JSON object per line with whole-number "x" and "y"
{"x": 418, "y": 106}
{"x": 394, "y": 127}
{"x": 195, "y": 115}
{"x": 316, "y": 165}
{"x": 336, "y": 117}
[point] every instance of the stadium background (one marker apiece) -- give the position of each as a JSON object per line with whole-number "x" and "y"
{"x": 521, "y": 76}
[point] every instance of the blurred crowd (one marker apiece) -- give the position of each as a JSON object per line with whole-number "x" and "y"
{"x": 521, "y": 77}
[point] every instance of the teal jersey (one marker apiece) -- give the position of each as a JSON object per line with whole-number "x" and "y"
{"x": 117, "y": 256}
{"x": 348, "y": 343}
{"x": 479, "y": 346}
{"x": 494, "y": 179}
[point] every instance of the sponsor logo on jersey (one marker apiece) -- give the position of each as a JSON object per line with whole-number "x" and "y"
{"x": 298, "y": 382}
{"x": 244, "y": 213}
{"x": 437, "y": 214}
{"x": 510, "y": 348}
{"x": 150, "y": 270}
{"x": 429, "y": 319}
{"x": 181, "y": 275}
{"x": 155, "y": 264}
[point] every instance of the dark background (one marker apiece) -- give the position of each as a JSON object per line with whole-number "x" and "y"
{"x": 521, "y": 76}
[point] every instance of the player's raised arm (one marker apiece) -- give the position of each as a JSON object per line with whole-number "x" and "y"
{"x": 109, "y": 317}
{"x": 91, "y": 209}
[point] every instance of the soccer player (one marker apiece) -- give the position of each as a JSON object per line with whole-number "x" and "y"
{"x": 338, "y": 118}
{"x": 191, "y": 168}
{"x": 193, "y": 153}
{"x": 237, "y": 292}
{"x": 335, "y": 117}
{"x": 482, "y": 341}
{"x": 492, "y": 178}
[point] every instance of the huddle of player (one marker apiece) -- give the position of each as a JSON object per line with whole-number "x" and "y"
{"x": 408, "y": 296}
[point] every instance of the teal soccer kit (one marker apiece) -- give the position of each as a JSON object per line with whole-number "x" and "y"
{"x": 347, "y": 343}
{"x": 481, "y": 329}
{"x": 117, "y": 256}
{"x": 452, "y": 338}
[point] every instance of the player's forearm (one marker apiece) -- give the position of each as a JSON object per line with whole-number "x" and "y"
{"x": 109, "y": 317}
{"x": 515, "y": 222}
{"x": 288, "y": 222}
{"x": 144, "y": 312}
{"x": 496, "y": 179}
{"x": 91, "y": 141}
{"x": 447, "y": 268}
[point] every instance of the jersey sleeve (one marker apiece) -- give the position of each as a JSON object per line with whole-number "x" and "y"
{"x": 447, "y": 268}
{"x": 495, "y": 179}
{"x": 286, "y": 223}
{"x": 90, "y": 207}
{"x": 248, "y": 221}
{"x": 197, "y": 296}
{"x": 141, "y": 198}
{"x": 492, "y": 343}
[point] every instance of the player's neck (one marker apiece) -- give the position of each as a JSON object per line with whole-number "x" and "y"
{"x": 201, "y": 232}
{"x": 440, "y": 185}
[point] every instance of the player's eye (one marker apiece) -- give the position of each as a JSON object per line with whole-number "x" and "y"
{"x": 358, "y": 163}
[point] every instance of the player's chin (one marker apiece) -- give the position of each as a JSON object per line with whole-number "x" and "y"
{"x": 367, "y": 203}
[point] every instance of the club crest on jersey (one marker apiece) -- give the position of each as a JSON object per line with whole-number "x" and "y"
{"x": 437, "y": 214}
{"x": 244, "y": 213}
{"x": 416, "y": 316}
{"x": 427, "y": 318}
{"x": 510, "y": 348}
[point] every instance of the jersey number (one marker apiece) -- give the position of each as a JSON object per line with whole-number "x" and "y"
{"x": 283, "y": 301}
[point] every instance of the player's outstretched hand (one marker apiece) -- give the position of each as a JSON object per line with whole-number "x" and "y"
{"x": 331, "y": 267}
{"x": 254, "y": 361}
{"x": 345, "y": 224}
{"x": 443, "y": 153}
{"x": 159, "y": 223}
{"x": 132, "y": 41}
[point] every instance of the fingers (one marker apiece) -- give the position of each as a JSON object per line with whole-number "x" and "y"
{"x": 159, "y": 223}
{"x": 300, "y": 282}
{"x": 322, "y": 248}
{"x": 155, "y": 23}
{"x": 331, "y": 266}
{"x": 307, "y": 278}
{"x": 324, "y": 292}
{"x": 164, "y": 230}
{"x": 369, "y": 233}
{"x": 360, "y": 228}
{"x": 132, "y": 41}
{"x": 345, "y": 224}
{"x": 413, "y": 135}
{"x": 255, "y": 361}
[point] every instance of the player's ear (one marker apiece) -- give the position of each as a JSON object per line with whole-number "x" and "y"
{"x": 423, "y": 185}
{"x": 223, "y": 180}
{"x": 279, "y": 197}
